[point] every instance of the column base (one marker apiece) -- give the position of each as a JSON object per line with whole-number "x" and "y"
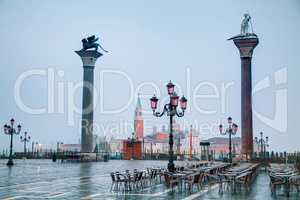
{"x": 88, "y": 157}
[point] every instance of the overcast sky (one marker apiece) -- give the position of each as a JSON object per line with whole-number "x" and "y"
{"x": 149, "y": 44}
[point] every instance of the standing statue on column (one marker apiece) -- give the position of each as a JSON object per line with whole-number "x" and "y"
{"x": 245, "y": 28}
{"x": 245, "y": 25}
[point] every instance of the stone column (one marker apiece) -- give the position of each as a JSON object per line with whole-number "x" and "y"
{"x": 89, "y": 59}
{"x": 246, "y": 46}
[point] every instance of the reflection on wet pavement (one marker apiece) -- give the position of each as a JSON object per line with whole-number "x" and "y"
{"x": 39, "y": 179}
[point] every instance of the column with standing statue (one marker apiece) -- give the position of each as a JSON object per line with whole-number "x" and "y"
{"x": 246, "y": 41}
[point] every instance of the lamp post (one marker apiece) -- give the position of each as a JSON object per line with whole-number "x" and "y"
{"x": 40, "y": 148}
{"x": 171, "y": 110}
{"x": 32, "y": 148}
{"x": 151, "y": 150}
{"x": 263, "y": 143}
{"x": 25, "y": 139}
{"x": 143, "y": 155}
{"x": 10, "y": 130}
{"x": 231, "y": 130}
{"x": 36, "y": 149}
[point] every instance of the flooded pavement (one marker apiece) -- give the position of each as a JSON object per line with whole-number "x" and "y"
{"x": 40, "y": 179}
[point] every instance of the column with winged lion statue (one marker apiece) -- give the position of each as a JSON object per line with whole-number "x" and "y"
{"x": 89, "y": 55}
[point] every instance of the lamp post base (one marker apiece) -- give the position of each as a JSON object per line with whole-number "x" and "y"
{"x": 10, "y": 162}
{"x": 171, "y": 167}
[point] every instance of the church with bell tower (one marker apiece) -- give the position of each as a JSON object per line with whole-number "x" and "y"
{"x": 138, "y": 121}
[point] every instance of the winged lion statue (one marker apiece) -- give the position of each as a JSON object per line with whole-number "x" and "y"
{"x": 91, "y": 42}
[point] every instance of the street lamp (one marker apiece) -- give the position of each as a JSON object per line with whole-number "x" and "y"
{"x": 25, "y": 139}
{"x": 32, "y": 148}
{"x": 231, "y": 130}
{"x": 171, "y": 110}
{"x": 263, "y": 143}
{"x": 36, "y": 149}
{"x": 10, "y": 130}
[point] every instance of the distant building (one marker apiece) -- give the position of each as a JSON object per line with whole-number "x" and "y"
{"x": 219, "y": 146}
{"x": 102, "y": 145}
{"x": 116, "y": 145}
{"x": 158, "y": 142}
{"x": 156, "y": 146}
{"x": 70, "y": 147}
{"x": 132, "y": 149}
{"x": 190, "y": 143}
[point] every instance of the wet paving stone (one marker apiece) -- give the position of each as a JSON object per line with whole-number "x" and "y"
{"x": 43, "y": 179}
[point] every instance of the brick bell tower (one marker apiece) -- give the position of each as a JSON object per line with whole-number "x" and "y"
{"x": 138, "y": 121}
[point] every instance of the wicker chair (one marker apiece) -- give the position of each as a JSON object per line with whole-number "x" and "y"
{"x": 191, "y": 180}
{"x": 121, "y": 180}
{"x": 244, "y": 179}
{"x": 295, "y": 182}
{"x": 114, "y": 183}
{"x": 170, "y": 180}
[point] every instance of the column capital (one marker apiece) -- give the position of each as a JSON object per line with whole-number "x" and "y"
{"x": 246, "y": 45}
{"x": 89, "y": 57}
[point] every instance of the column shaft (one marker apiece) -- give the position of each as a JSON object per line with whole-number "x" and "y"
{"x": 246, "y": 46}
{"x": 246, "y": 106}
{"x": 87, "y": 110}
{"x": 89, "y": 59}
